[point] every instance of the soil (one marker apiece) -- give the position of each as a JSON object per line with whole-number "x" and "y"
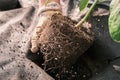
{"x": 78, "y": 71}
{"x": 61, "y": 45}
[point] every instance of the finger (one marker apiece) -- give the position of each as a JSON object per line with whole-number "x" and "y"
{"x": 36, "y": 35}
{"x": 34, "y": 42}
{"x": 35, "y": 38}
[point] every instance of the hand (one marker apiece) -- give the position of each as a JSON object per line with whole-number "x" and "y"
{"x": 42, "y": 23}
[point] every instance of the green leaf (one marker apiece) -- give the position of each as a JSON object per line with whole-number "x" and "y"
{"x": 83, "y": 4}
{"x": 114, "y": 20}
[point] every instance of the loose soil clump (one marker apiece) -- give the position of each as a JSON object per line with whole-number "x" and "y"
{"x": 62, "y": 43}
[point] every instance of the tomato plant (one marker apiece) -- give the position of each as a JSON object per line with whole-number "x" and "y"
{"x": 82, "y": 5}
{"x": 114, "y": 18}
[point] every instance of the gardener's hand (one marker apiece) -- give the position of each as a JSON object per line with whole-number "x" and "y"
{"x": 44, "y": 16}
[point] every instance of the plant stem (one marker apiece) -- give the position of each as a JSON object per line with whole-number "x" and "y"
{"x": 87, "y": 14}
{"x": 47, "y": 1}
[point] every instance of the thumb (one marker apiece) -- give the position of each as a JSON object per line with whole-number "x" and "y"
{"x": 34, "y": 43}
